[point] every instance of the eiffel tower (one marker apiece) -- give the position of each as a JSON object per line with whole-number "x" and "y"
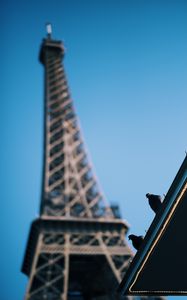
{"x": 76, "y": 249}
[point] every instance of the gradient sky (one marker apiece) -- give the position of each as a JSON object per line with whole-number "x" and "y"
{"x": 126, "y": 62}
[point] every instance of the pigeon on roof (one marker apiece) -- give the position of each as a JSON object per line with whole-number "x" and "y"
{"x": 136, "y": 240}
{"x": 155, "y": 202}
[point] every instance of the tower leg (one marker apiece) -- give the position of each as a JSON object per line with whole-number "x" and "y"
{"x": 48, "y": 278}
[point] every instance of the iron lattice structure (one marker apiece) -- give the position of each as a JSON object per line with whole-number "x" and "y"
{"x": 76, "y": 248}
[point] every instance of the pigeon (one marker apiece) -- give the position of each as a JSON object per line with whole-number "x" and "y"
{"x": 136, "y": 240}
{"x": 155, "y": 202}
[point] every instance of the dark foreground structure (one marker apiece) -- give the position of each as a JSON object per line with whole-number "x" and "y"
{"x": 160, "y": 265}
{"x": 76, "y": 248}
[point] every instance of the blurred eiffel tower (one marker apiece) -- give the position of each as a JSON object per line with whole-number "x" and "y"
{"x": 76, "y": 248}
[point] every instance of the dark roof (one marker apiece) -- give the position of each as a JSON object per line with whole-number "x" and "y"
{"x": 160, "y": 265}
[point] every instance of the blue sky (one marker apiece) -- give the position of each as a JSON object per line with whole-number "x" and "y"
{"x": 126, "y": 62}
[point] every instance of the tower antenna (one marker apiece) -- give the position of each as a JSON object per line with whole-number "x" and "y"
{"x": 49, "y": 30}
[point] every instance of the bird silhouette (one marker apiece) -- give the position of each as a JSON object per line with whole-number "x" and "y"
{"x": 155, "y": 202}
{"x": 136, "y": 240}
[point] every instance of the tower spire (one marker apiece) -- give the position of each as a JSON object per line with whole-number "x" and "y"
{"x": 49, "y": 30}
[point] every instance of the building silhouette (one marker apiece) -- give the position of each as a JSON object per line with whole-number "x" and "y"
{"x": 150, "y": 271}
{"x": 76, "y": 248}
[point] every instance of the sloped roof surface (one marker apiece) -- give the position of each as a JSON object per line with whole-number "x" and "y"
{"x": 160, "y": 265}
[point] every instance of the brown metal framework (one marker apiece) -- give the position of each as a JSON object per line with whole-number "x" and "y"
{"x": 77, "y": 248}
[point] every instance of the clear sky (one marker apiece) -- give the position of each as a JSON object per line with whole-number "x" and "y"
{"x": 126, "y": 63}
